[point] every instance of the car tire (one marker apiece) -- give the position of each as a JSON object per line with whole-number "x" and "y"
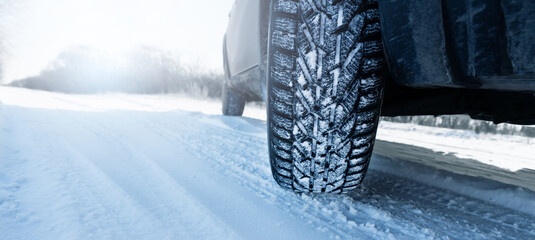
{"x": 233, "y": 102}
{"x": 325, "y": 89}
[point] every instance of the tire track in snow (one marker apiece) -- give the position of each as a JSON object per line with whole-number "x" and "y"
{"x": 113, "y": 172}
{"x": 148, "y": 184}
{"x": 147, "y": 203}
{"x": 56, "y": 198}
{"x": 375, "y": 200}
{"x": 238, "y": 156}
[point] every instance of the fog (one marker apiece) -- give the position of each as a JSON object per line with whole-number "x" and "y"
{"x": 36, "y": 32}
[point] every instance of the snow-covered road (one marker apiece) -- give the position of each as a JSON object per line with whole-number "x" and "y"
{"x": 164, "y": 167}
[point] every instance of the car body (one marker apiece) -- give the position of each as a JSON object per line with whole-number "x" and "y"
{"x": 473, "y": 57}
{"x": 328, "y": 69}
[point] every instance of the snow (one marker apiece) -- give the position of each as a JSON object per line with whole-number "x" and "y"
{"x": 508, "y": 152}
{"x": 497, "y": 193}
{"x": 118, "y": 166}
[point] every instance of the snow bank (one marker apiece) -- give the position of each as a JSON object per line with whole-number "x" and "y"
{"x": 2, "y": 120}
{"x": 504, "y": 151}
{"x": 464, "y": 122}
{"x": 512, "y": 197}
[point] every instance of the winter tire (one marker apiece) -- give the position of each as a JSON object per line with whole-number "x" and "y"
{"x": 233, "y": 102}
{"x": 325, "y": 89}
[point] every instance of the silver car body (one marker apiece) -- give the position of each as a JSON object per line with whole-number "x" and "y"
{"x": 242, "y": 49}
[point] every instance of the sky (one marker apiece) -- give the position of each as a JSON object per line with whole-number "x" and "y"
{"x": 38, "y": 30}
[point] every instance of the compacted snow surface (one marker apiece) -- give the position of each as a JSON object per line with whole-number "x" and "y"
{"x": 118, "y": 166}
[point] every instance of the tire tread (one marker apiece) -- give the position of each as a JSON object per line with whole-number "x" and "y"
{"x": 332, "y": 133}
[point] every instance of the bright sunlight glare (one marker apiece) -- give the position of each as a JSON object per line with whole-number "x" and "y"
{"x": 37, "y": 31}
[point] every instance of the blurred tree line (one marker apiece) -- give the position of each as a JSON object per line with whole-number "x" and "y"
{"x": 6, "y": 8}
{"x": 3, "y": 11}
{"x": 145, "y": 70}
